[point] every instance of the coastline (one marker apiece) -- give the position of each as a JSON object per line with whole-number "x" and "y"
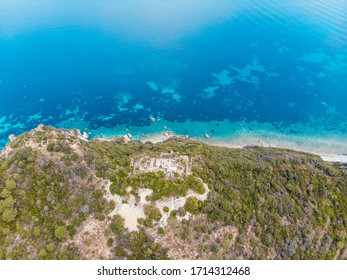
{"x": 310, "y": 138}
{"x": 314, "y": 146}
{"x": 330, "y": 146}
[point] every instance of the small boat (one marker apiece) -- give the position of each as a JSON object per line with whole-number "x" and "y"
{"x": 126, "y": 139}
{"x": 207, "y": 136}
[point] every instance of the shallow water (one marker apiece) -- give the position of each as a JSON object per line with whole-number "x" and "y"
{"x": 260, "y": 70}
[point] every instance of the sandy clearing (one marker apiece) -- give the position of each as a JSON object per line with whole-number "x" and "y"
{"x": 131, "y": 210}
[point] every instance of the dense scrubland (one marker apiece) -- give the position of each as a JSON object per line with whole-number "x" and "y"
{"x": 263, "y": 203}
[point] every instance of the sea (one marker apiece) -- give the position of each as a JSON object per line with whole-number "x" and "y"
{"x": 228, "y": 72}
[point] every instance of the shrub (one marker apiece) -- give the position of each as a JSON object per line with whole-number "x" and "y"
{"x": 43, "y": 254}
{"x": 61, "y": 232}
{"x": 112, "y": 205}
{"x": 152, "y": 212}
{"x": 6, "y": 204}
{"x": 117, "y": 225}
{"x": 10, "y": 184}
{"x": 6, "y": 231}
{"x": 9, "y": 215}
{"x": 36, "y": 232}
{"x": 50, "y": 247}
{"x": 173, "y": 213}
{"x": 5, "y": 193}
{"x": 182, "y": 212}
{"x": 110, "y": 242}
{"x": 50, "y": 147}
{"x": 57, "y": 148}
{"x": 192, "y": 205}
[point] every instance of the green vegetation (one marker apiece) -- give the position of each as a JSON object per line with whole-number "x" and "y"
{"x": 38, "y": 195}
{"x": 138, "y": 246}
{"x": 263, "y": 203}
{"x": 61, "y": 232}
{"x": 152, "y": 212}
{"x": 157, "y": 182}
{"x": 50, "y": 247}
{"x": 117, "y": 225}
{"x": 9, "y": 215}
{"x": 192, "y": 205}
{"x": 36, "y": 232}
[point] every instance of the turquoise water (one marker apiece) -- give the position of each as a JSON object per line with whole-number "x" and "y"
{"x": 267, "y": 71}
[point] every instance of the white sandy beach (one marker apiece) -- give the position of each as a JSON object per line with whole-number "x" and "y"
{"x": 331, "y": 146}
{"x": 331, "y": 150}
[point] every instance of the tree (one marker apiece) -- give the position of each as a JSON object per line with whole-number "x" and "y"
{"x": 192, "y": 205}
{"x": 117, "y": 225}
{"x": 6, "y": 231}
{"x": 36, "y": 232}
{"x": 10, "y": 184}
{"x": 5, "y": 193}
{"x": 9, "y": 215}
{"x": 6, "y": 204}
{"x": 61, "y": 232}
{"x": 109, "y": 242}
{"x": 50, "y": 247}
{"x": 43, "y": 254}
{"x": 199, "y": 187}
{"x": 152, "y": 212}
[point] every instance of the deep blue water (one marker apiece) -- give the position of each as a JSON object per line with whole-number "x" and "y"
{"x": 102, "y": 66}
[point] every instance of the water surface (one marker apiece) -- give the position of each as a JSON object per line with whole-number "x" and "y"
{"x": 262, "y": 70}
